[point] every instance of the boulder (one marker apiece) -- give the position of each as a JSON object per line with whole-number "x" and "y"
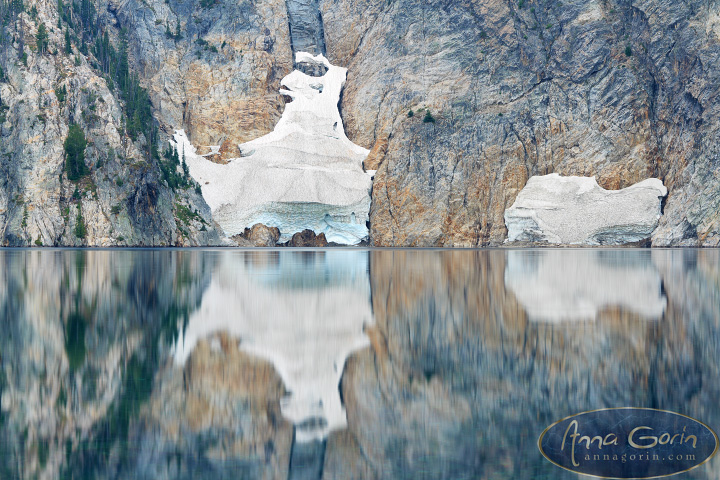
{"x": 258, "y": 236}
{"x": 308, "y": 238}
{"x": 577, "y": 211}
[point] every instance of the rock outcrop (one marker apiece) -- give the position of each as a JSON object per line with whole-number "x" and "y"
{"x": 306, "y": 26}
{"x": 499, "y": 92}
{"x": 577, "y": 211}
{"x": 305, "y": 174}
{"x": 212, "y": 68}
{"x": 122, "y": 199}
{"x": 258, "y": 236}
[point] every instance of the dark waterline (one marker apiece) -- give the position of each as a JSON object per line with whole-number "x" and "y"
{"x": 341, "y": 363}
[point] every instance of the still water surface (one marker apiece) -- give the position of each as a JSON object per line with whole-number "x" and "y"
{"x": 341, "y": 364}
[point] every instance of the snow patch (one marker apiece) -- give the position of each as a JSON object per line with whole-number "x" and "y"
{"x": 577, "y": 211}
{"x": 305, "y": 174}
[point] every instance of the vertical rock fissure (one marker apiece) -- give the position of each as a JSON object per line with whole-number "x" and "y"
{"x": 306, "y": 26}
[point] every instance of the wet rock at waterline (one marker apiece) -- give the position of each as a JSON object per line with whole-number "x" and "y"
{"x": 577, "y": 211}
{"x": 305, "y": 174}
{"x": 307, "y": 238}
{"x": 258, "y": 236}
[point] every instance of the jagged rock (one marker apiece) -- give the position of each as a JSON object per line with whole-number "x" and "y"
{"x": 258, "y": 236}
{"x": 219, "y": 80}
{"x": 307, "y": 238}
{"x": 306, "y": 26}
{"x": 305, "y": 174}
{"x": 509, "y": 100}
{"x": 123, "y": 199}
{"x": 577, "y": 211}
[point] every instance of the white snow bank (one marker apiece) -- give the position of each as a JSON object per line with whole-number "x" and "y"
{"x": 305, "y": 174}
{"x": 578, "y": 211}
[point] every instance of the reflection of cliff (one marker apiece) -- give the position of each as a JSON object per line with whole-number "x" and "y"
{"x": 76, "y": 352}
{"x": 459, "y": 384}
{"x": 556, "y": 285}
{"x": 306, "y": 330}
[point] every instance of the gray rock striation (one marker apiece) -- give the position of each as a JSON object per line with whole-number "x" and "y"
{"x": 577, "y": 211}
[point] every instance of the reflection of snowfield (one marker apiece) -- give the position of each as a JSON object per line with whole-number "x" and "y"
{"x": 557, "y": 285}
{"x": 304, "y": 174}
{"x": 306, "y": 328}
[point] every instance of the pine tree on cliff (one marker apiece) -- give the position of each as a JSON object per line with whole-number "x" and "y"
{"x": 68, "y": 45}
{"x": 75, "y": 144}
{"x": 80, "y": 229}
{"x": 41, "y": 39}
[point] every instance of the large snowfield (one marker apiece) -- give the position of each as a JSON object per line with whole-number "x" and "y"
{"x": 305, "y": 174}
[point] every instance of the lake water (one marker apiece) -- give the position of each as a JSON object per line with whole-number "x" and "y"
{"x": 341, "y": 363}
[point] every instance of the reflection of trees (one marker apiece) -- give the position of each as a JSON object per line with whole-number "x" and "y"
{"x": 87, "y": 331}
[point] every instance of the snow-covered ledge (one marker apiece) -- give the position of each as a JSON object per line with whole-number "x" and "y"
{"x": 577, "y": 211}
{"x": 305, "y": 174}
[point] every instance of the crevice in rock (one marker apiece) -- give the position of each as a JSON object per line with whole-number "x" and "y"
{"x": 306, "y": 26}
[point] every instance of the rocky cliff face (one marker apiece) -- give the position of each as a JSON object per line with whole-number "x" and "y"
{"x": 217, "y": 74}
{"x": 620, "y": 90}
{"x": 499, "y": 91}
{"x": 122, "y": 199}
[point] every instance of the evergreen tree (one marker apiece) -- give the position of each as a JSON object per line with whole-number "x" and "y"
{"x": 42, "y": 38}
{"x": 75, "y": 144}
{"x": 185, "y": 167}
{"x": 80, "y": 230}
{"x": 68, "y": 46}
